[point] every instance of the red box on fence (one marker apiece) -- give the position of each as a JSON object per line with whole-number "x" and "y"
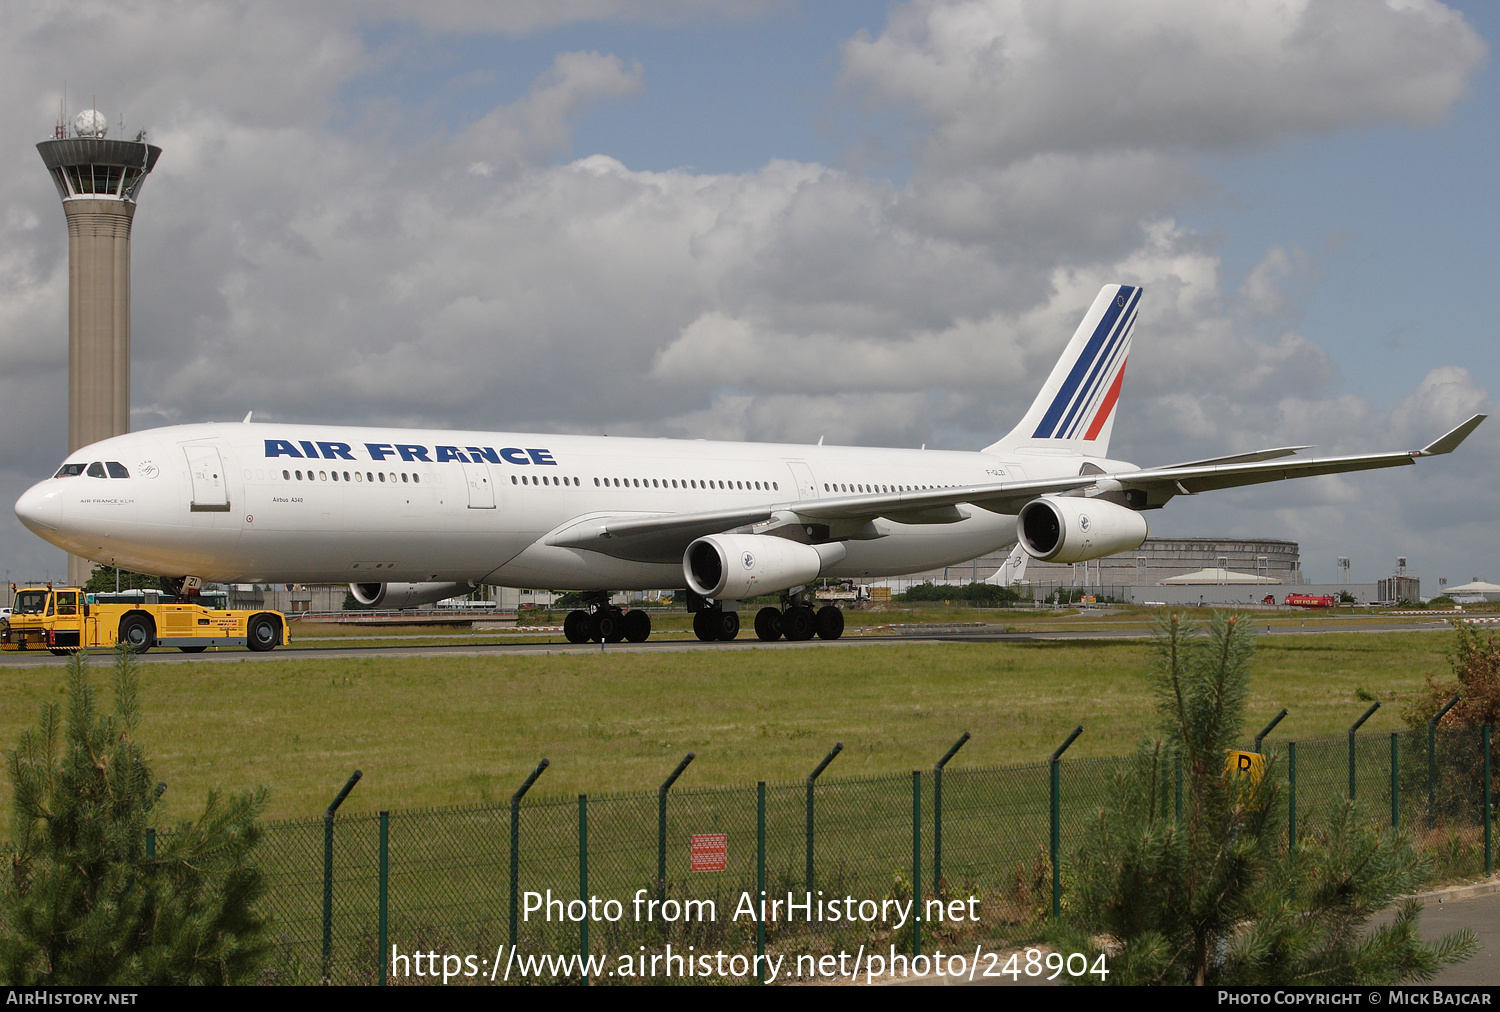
{"x": 710, "y": 852}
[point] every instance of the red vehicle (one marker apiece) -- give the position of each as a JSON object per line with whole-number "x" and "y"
{"x": 1309, "y": 601}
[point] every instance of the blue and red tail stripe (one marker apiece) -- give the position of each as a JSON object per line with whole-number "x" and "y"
{"x": 1094, "y": 381}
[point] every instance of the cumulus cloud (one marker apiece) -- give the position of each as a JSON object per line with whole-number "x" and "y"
{"x": 478, "y": 276}
{"x": 1002, "y": 81}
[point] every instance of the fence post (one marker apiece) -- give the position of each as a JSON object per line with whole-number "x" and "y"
{"x": 1432, "y": 760}
{"x": 385, "y": 889}
{"x": 583, "y": 886}
{"x": 916, "y": 862}
{"x": 760, "y": 882}
{"x": 1489, "y": 865}
{"x": 937, "y": 814}
{"x": 838, "y": 747}
{"x": 661, "y": 826}
{"x": 1291, "y": 810}
{"x": 1055, "y": 764}
{"x": 1269, "y": 728}
{"x": 1395, "y": 780}
{"x": 1352, "y": 728}
{"x": 328, "y": 869}
{"x": 515, "y": 844}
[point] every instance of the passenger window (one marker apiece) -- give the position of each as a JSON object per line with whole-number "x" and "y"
{"x": 286, "y": 476}
{"x": 346, "y": 475}
{"x": 96, "y": 470}
{"x": 514, "y": 482}
{"x": 335, "y": 476}
{"x": 117, "y": 469}
{"x": 416, "y": 479}
{"x": 299, "y": 475}
{"x": 323, "y": 475}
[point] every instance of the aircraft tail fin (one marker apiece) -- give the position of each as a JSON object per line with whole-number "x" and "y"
{"x": 1075, "y": 411}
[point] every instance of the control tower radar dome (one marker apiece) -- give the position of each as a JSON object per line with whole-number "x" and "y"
{"x": 90, "y": 123}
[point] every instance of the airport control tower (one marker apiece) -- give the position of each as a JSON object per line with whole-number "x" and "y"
{"x": 98, "y": 180}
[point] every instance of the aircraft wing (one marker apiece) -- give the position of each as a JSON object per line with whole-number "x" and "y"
{"x": 1162, "y": 483}
{"x": 665, "y": 537}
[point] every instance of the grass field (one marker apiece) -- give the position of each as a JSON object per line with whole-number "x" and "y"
{"x": 430, "y": 732}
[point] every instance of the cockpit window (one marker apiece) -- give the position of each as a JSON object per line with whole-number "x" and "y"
{"x": 96, "y": 470}
{"x": 30, "y": 602}
{"x": 70, "y": 471}
{"x": 116, "y": 469}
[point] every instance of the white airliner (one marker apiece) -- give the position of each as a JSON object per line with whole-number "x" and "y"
{"x": 411, "y": 516}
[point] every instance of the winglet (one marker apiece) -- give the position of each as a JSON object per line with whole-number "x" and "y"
{"x": 1449, "y": 442}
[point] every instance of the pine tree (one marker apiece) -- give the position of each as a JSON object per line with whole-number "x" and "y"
{"x": 1213, "y": 897}
{"x": 83, "y": 903}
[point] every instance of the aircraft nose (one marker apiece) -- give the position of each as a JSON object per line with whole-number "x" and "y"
{"x": 40, "y": 509}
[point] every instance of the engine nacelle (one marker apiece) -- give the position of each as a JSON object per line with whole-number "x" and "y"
{"x": 730, "y": 567}
{"x": 406, "y": 595}
{"x": 1070, "y": 529}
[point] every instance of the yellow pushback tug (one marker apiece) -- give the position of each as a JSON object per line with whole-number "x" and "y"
{"x": 63, "y": 619}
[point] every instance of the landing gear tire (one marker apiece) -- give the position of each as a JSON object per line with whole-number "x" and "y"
{"x": 606, "y": 626}
{"x": 637, "y": 626}
{"x": 705, "y": 625}
{"x": 263, "y": 633}
{"x": 576, "y": 626}
{"x": 727, "y": 623}
{"x": 768, "y": 624}
{"x": 799, "y": 623}
{"x": 138, "y": 633}
{"x": 830, "y": 623}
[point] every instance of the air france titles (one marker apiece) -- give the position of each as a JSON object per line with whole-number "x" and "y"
{"x": 329, "y": 450}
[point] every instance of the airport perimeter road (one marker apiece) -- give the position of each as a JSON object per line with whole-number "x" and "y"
{"x": 1474, "y": 907}
{"x": 389, "y": 646}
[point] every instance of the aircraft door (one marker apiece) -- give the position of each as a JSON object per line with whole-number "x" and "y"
{"x": 210, "y": 489}
{"x": 481, "y": 489}
{"x": 807, "y": 488}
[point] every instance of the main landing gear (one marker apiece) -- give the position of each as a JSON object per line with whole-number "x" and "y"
{"x": 603, "y": 622}
{"x": 799, "y": 623}
{"x": 796, "y": 620}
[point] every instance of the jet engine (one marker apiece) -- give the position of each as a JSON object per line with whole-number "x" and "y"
{"x": 1070, "y": 529}
{"x": 730, "y": 567}
{"x": 406, "y": 595}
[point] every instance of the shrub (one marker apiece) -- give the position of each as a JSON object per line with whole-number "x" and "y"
{"x": 1212, "y": 898}
{"x": 84, "y": 904}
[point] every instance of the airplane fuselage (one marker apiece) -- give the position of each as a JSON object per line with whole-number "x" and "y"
{"x": 256, "y": 502}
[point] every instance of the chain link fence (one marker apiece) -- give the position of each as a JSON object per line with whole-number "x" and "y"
{"x": 351, "y": 896}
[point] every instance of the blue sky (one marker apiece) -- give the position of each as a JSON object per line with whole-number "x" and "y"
{"x": 872, "y": 222}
